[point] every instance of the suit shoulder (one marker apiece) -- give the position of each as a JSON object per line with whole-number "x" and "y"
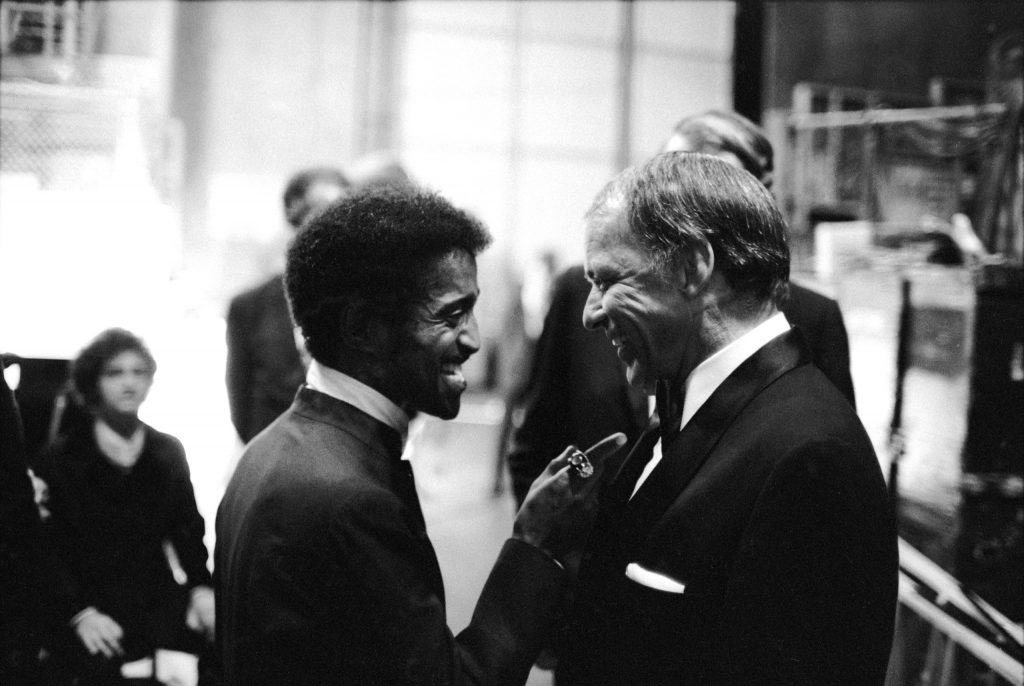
{"x": 259, "y": 293}
{"x": 167, "y": 449}
{"x": 165, "y": 440}
{"x": 313, "y": 461}
{"x": 806, "y": 392}
{"x": 802, "y": 297}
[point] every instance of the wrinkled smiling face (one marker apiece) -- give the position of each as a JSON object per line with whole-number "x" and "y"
{"x": 124, "y": 384}
{"x": 442, "y": 335}
{"x": 647, "y": 318}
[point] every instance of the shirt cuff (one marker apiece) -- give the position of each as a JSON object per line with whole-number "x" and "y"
{"x": 200, "y": 590}
{"x": 82, "y": 615}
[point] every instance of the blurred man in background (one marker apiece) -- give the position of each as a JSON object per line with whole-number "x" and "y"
{"x": 264, "y": 367}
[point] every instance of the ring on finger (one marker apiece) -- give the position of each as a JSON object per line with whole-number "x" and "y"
{"x": 580, "y": 464}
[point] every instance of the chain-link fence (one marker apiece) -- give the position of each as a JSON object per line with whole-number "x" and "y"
{"x": 65, "y": 137}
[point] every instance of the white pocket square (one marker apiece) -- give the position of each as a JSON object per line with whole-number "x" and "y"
{"x": 655, "y": 580}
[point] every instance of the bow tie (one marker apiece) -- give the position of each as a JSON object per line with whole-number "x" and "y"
{"x": 669, "y": 402}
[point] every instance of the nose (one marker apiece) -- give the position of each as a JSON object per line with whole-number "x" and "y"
{"x": 469, "y": 337}
{"x": 593, "y": 315}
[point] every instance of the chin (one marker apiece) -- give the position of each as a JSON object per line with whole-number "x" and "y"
{"x": 636, "y": 377}
{"x": 446, "y": 409}
{"x": 446, "y": 413}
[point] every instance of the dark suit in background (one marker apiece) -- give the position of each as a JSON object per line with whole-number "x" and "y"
{"x": 263, "y": 365}
{"x": 577, "y": 392}
{"x": 819, "y": 319}
{"x": 333, "y": 580}
{"x": 771, "y": 509}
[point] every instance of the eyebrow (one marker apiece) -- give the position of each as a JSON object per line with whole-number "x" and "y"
{"x": 466, "y": 300}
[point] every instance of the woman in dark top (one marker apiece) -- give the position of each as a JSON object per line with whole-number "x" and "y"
{"x": 130, "y": 570}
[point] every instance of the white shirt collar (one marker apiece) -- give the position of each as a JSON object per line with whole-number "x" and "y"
{"x": 354, "y": 392}
{"x": 709, "y": 374}
{"x": 123, "y": 452}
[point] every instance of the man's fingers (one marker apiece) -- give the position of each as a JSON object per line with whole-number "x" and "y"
{"x": 596, "y": 453}
{"x": 561, "y": 461}
{"x": 99, "y": 645}
{"x": 605, "y": 448}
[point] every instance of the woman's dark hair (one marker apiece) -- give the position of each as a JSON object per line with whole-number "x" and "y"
{"x": 377, "y": 245}
{"x": 88, "y": 366}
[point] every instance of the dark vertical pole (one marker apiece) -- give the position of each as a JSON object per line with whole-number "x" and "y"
{"x": 897, "y": 442}
{"x": 748, "y": 59}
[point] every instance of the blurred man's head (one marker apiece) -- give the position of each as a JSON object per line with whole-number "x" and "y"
{"x": 310, "y": 190}
{"x": 671, "y": 241}
{"x": 729, "y": 136}
{"x": 383, "y": 285}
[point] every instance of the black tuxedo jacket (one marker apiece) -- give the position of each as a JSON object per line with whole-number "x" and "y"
{"x": 770, "y": 509}
{"x": 325, "y": 575}
{"x": 263, "y": 366}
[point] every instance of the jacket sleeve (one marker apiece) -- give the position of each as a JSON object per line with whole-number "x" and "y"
{"x": 509, "y": 622}
{"x": 238, "y": 376}
{"x": 376, "y": 577}
{"x": 187, "y": 527}
{"x": 67, "y": 595}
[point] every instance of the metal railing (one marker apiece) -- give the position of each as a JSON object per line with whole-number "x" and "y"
{"x": 947, "y": 635}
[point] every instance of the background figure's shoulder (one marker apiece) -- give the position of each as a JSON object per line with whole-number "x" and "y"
{"x": 254, "y": 296}
{"x": 166, "y": 449}
{"x": 803, "y": 299}
{"x": 572, "y": 279}
{"x": 164, "y": 440}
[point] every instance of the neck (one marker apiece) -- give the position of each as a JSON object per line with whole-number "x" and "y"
{"x": 365, "y": 370}
{"x": 124, "y": 424}
{"x": 723, "y": 319}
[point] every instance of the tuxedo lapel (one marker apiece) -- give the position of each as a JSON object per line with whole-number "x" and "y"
{"x": 688, "y": 451}
{"x": 384, "y": 460}
{"x": 625, "y": 479}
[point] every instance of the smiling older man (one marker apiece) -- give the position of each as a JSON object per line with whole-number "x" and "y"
{"x": 747, "y": 539}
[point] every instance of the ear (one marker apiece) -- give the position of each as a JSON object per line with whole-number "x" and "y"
{"x": 698, "y": 265}
{"x": 363, "y": 329}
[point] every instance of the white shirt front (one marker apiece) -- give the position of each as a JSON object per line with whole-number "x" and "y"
{"x": 343, "y": 387}
{"x": 709, "y": 375}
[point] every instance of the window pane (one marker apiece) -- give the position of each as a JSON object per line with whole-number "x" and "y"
{"x": 594, "y": 20}
{"x": 568, "y": 98}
